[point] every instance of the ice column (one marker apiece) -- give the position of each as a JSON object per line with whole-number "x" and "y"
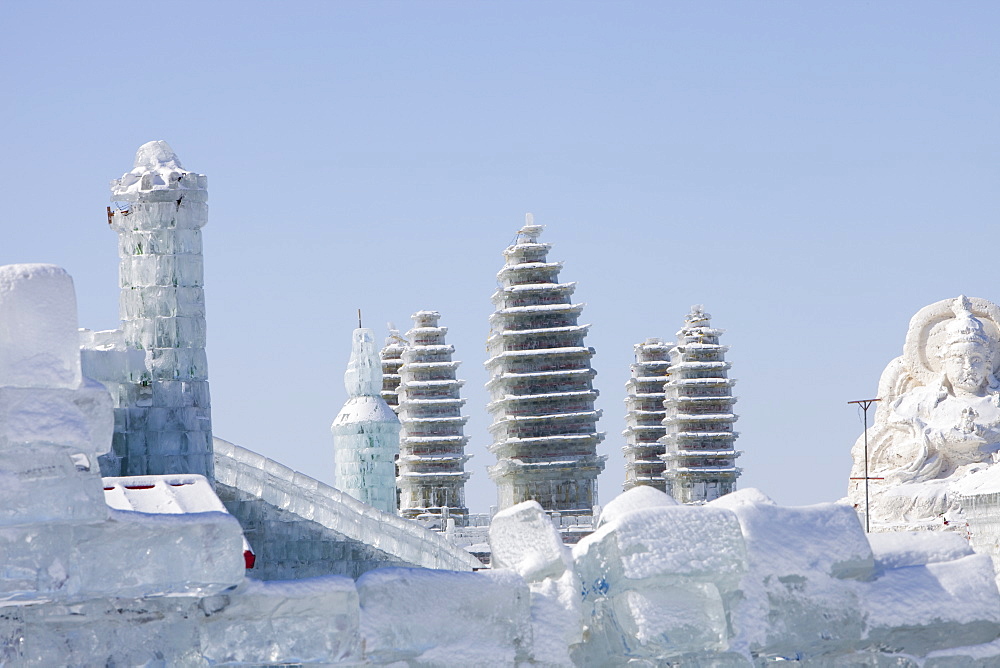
{"x": 544, "y": 423}
{"x": 700, "y": 457}
{"x": 432, "y": 444}
{"x": 392, "y": 358}
{"x": 162, "y": 422}
{"x": 366, "y": 431}
{"x": 644, "y": 415}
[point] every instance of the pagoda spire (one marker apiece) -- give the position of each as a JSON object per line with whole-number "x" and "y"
{"x": 432, "y": 455}
{"x": 392, "y": 358}
{"x": 644, "y": 415}
{"x": 544, "y": 423}
{"x": 700, "y": 457}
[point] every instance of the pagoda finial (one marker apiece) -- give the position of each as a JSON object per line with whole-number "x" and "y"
{"x": 530, "y": 232}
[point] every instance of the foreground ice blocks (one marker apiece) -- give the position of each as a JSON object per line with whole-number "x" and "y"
{"x": 58, "y": 537}
{"x": 743, "y": 582}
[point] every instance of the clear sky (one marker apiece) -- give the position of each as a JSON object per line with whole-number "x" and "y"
{"x": 812, "y": 172}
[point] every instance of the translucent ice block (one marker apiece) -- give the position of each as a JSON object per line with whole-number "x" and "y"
{"x": 444, "y": 617}
{"x": 39, "y": 344}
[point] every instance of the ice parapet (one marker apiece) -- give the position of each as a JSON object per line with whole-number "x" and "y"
{"x": 156, "y": 172}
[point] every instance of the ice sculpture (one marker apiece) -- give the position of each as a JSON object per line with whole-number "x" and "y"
{"x": 699, "y": 441}
{"x": 644, "y": 415}
{"x": 938, "y": 420}
{"x": 366, "y": 431}
{"x": 432, "y": 455}
{"x": 541, "y": 383}
{"x": 163, "y": 421}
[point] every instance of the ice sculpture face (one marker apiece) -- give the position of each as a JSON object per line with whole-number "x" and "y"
{"x": 938, "y": 420}
{"x": 966, "y": 366}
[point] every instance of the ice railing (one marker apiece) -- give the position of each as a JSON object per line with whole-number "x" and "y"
{"x": 313, "y": 500}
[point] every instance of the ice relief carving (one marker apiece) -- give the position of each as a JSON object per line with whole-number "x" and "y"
{"x": 939, "y": 416}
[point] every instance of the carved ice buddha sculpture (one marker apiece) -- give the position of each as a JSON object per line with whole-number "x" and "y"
{"x": 938, "y": 420}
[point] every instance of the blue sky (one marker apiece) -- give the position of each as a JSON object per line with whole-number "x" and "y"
{"x": 813, "y": 173}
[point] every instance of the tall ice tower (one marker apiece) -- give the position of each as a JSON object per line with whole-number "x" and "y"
{"x": 644, "y": 416}
{"x": 700, "y": 456}
{"x": 544, "y": 423}
{"x": 163, "y": 421}
{"x": 432, "y": 455}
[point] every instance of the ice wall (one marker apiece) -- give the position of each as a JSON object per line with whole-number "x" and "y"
{"x": 163, "y": 418}
{"x": 366, "y": 431}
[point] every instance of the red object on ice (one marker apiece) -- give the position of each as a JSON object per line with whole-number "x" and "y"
{"x": 249, "y": 558}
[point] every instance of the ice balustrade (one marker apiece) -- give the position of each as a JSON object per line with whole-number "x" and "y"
{"x": 303, "y": 497}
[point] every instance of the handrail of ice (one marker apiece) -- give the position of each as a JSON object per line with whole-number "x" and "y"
{"x": 338, "y": 511}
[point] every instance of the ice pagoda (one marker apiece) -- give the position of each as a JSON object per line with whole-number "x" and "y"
{"x": 542, "y": 398}
{"x": 432, "y": 455}
{"x": 700, "y": 457}
{"x": 392, "y": 358}
{"x": 644, "y": 415}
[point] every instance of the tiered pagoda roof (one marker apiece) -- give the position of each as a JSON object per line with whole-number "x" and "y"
{"x": 644, "y": 415}
{"x": 700, "y": 456}
{"x": 432, "y": 457}
{"x": 392, "y": 358}
{"x": 544, "y": 423}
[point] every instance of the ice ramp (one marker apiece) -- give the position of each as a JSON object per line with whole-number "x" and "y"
{"x": 300, "y": 527}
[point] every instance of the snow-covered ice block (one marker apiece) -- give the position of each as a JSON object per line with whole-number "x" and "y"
{"x": 636, "y": 498}
{"x": 796, "y": 600}
{"x": 39, "y": 344}
{"x": 898, "y": 549}
{"x": 826, "y": 537}
{"x": 655, "y": 577}
{"x": 524, "y": 540}
{"x": 918, "y": 609}
{"x": 662, "y": 545}
{"x": 444, "y": 618}
{"x": 45, "y": 483}
{"x": 304, "y": 621}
